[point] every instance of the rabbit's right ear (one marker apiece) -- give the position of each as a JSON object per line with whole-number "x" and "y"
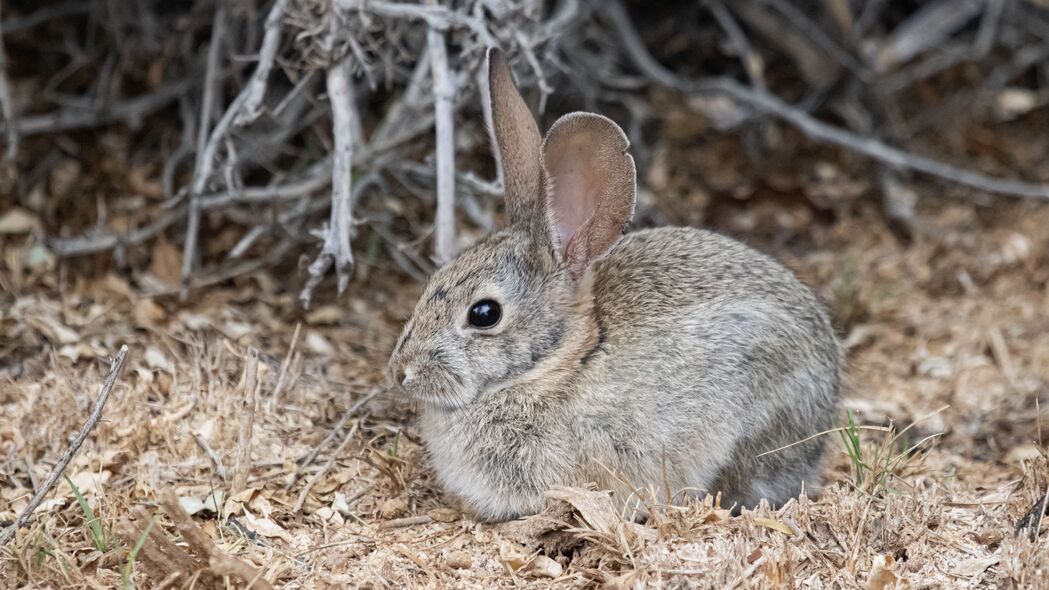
{"x": 592, "y": 187}
{"x": 519, "y": 141}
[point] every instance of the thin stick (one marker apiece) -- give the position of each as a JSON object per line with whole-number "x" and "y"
{"x": 63, "y": 462}
{"x": 219, "y": 561}
{"x": 7, "y": 107}
{"x": 256, "y": 89}
{"x": 19, "y": 23}
{"x": 284, "y": 366}
{"x": 768, "y": 104}
{"x": 332, "y": 434}
{"x": 327, "y": 467}
{"x": 205, "y": 157}
{"x": 132, "y": 111}
{"x": 248, "y": 406}
{"x": 444, "y": 96}
{"x": 400, "y": 523}
{"x": 216, "y": 461}
{"x": 1036, "y": 522}
{"x": 336, "y": 249}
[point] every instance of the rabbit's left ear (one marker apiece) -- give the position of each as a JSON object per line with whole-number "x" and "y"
{"x": 591, "y": 187}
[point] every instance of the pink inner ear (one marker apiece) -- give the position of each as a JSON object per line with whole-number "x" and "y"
{"x": 590, "y": 183}
{"x": 574, "y": 191}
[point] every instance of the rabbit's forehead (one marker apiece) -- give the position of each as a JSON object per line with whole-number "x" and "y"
{"x": 501, "y": 263}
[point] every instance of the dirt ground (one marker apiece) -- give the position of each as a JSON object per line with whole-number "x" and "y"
{"x": 948, "y": 369}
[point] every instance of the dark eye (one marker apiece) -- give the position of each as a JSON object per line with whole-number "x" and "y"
{"x": 485, "y": 314}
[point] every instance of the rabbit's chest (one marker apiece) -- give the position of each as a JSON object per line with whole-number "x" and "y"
{"x": 500, "y": 464}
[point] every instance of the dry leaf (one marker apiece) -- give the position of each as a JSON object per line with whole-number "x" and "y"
{"x": 775, "y": 525}
{"x": 167, "y": 261}
{"x": 543, "y": 567}
{"x": 459, "y": 560}
{"x": 595, "y": 507}
{"x": 318, "y": 344}
{"x": 974, "y": 566}
{"x": 147, "y": 313}
{"x": 1023, "y": 453}
{"x": 340, "y": 505}
{"x": 393, "y": 508}
{"x": 883, "y": 575}
{"x": 267, "y": 527}
{"x": 1015, "y": 102}
{"x": 444, "y": 515}
{"x": 157, "y": 360}
{"x": 191, "y": 504}
{"x": 54, "y": 330}
{"x": 18, "y": 221}
{"x": 327, "y": 314}
{"x": 534, "y": 564}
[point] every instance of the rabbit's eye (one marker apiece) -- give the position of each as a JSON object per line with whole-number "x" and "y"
{"x": 485, "y": 314}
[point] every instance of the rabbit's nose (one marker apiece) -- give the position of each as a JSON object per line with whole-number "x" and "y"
{"x": 403, "y": 375}
{"x": 406, "y": 376}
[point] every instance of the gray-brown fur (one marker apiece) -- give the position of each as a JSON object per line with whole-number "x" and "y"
{"x": 676, "y": 358}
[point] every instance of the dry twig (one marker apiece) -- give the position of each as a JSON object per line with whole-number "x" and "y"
{"x": 324, "y": 470}
{"x": 766, "y": 103}
{"x": 256, "y": 88}
{"x": 7, "y": 107}
{"x": 67, "y": 456}
{"x": 249, "y": 404}
{"x": 220, "y": 562}
{"x": 336, "y": 249}
{"x": 444, "y": 95}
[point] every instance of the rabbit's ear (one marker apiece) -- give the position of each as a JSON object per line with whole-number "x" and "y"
{"x": 591, "y": 186}
{"x": 518, "y": 137}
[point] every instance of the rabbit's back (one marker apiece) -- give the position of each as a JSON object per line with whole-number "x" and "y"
{"x": 708, "y": 354}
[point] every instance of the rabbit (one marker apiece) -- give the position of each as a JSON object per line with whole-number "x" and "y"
{"x": 562, "y": 350}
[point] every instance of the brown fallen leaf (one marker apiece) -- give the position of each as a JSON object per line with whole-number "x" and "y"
{"x": 18, "y": 221}
{"x": 539, "y": 566}
{"x": 775, "y": 525}
{"x": 883, "y": 575}
{"x": 166, "y": 264}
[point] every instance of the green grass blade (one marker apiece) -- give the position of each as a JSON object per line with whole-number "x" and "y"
{"x": 129, "y": 567}
{"x": 94, "y": 525}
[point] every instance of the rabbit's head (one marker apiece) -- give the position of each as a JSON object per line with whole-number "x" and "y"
{"x": 515, "y": 305}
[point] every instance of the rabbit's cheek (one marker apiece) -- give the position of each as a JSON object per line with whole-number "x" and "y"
{"x": 435, "y": 384}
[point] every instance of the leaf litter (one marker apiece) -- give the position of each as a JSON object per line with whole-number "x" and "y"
{"x": 958, "y": 317}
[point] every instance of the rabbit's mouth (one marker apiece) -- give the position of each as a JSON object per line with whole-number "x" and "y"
{"x": 437, "y": 387}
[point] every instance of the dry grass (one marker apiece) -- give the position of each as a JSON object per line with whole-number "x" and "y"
{"x": 958, "y": 318}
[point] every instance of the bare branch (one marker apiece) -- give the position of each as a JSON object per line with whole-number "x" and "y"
{"x": 815, "y": 129}
{"x": 220, "y": 562}
{"x": 256, "y": 88}
{"x": 436, "y": 16}
{"x": 249, "y": 404}
{"x": 444, "y": 95}
{"x": 336, "y": 249}
{"x": 7, "y": 107}
{"x": 930, "y": 26}
{"x": 205, "y": 147}
{"x": 131, "y": 111}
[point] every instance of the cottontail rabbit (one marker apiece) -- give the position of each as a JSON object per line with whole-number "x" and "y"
{"x": 560, "y": 351}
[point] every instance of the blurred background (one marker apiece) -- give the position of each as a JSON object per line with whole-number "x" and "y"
{"x": 189, "y": 144}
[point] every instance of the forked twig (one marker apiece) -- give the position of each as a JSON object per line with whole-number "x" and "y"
{"x": 336, "y": 249}
{"x": 256, "y": 89}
